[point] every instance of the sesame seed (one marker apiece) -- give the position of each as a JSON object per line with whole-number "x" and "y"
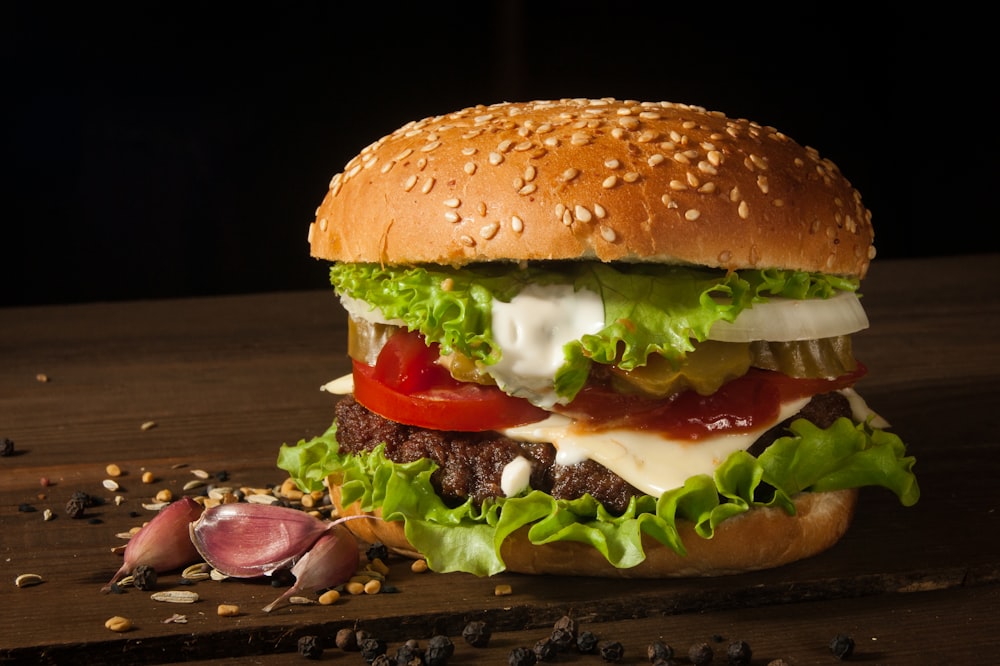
{"x": 468, "y": 150}
{"x": 452, "y": 216}
{"x": 682, "y": 158}
{"x": 517, "y": 224}
{"x": 490, "y": 230}
{"x": 403, "y": 155}
{"x": 618, "y": 132}
{"x": 609, "y": 182}
{"x": 691, "y": 215}
{"x": 504, "y": 145}
{"x": 427, "y": 186}
{"x": 387, "y": 166}
{"x": 580, "y": 139}
{"x": 725, "y": 256}
{"x": 433, "y": 145}
{"x": 528, "y": 189}
{"x": 693, "y": 180}
{"x": 518, "y": 183}
{"x": 560, "y": 209}
{"x": 706, "y": 167}
{"x": 523, "y": 146}
{"x": 495, "y": 158}
{"x": 481, "y": 208}
{"x": 612, "y": 164}
{"x": 410, "y": 182}
{"x": 762, "y": 183}
{"x": 655, "y": 159}
{"x": 467, "y": 241}
{"x": 582, "y": 214}
{"x": 529, "y": 173}
{"x": 567, "y": 217}
{"x": 570, "y": 174}
{"x": 599, "y": 211}
{"x": 743, "y": 210}
{"x": 647, "y": 136}
{"x": 630, "y": 177}
{"x": 608, "y": 234}
{"x": 469, "y": 168}
{"x": 707, "y": 188}
{"x": 628, "y": 122}
{"x": 323, "y": 224}
{"x": 551, "y": 141}
{"x": 452, "y": 203}
{"x": 677, "y": 185}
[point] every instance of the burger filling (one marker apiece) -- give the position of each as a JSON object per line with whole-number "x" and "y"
{"x": 593, "y": 402}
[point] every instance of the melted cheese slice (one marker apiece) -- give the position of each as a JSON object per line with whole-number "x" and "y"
{"x": 651, "y": 462}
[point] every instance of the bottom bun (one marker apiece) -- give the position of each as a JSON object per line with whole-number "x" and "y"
{"x": 761, "y": 538}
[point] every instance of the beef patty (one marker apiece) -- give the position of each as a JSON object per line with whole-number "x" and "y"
{"x": 471, "y": 464}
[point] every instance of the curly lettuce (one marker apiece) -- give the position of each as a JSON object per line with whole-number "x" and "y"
{"x": 468, "y": 537}
{"x": 649, "y": 308}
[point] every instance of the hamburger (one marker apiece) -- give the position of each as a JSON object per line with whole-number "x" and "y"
{"x": 598, "y": 337}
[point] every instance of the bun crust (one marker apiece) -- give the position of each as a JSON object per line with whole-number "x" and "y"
{"x": 758, "y": 539}
{"x": 593, "y": 179}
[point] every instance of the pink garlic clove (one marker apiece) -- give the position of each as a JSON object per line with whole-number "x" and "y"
{"x": 163, "y": 543}
{"x": 243, "y": 540}
{"x": 331, "y": 561}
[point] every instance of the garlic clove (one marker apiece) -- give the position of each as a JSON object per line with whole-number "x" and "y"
{"x": 332, "y": 560}
{"x": 243, "y": 540}
{"x": 163, "y": 543}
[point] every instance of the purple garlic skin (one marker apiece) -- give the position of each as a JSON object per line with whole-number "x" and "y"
{"x": 330, "y": 562}
{"x": 164, "y": 543}
{"x": 243, "y": 540}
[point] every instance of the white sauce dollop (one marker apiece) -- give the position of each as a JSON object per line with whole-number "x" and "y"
{"x": 532, "y": 330}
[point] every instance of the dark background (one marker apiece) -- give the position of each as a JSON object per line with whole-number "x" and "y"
{"x": 159, "y": 149}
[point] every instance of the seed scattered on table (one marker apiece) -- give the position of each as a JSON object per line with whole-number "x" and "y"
{"x": 118, "y": 624}
{"x": 28, "y": 580}
{"x": 228, "y": 610}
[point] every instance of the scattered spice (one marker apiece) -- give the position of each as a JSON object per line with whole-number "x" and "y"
{"x": 739, "y": 653}
{"x": 148, "y": 477}
{"x": 41, "y": 377}
{"x": 700, "y": 654}
{"x": 659, "y": 651}
{"x": 6, "y": 447}
{"x": 371, "y": 648}
{"x": 28, "y": 580}
{"x": 310, "y": 647}
{"x": 545, "y": 649}
{"x": 377, "y": 551}
{"x": 521, "y": 656}
{"x": 76, "y": 506}
{"x": 144, "y": 577}
{"x": 611, "y": 650}
{"x": 228, "y": 610}
{"x": 147, "y": 425}
{"x": 119, "y": 624}
{"x": 564, "y": 632}
{"x": 477, "y": 634}
{"x": 586, "y": 642}
{"x": 439, "y": 650}
{"x": 502, "y": 590}
{"x": 842, "y": 646}
{"x": 113, "y": 470}
{"x": 347, "y": 640}
{"x": 409, "y": 652}
{"x": 26, "y": 508}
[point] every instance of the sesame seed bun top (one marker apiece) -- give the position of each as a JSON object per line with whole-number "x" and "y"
{"x": 593, "y": 179}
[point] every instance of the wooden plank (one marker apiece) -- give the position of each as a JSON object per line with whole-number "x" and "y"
{"x": 227, "y": 380}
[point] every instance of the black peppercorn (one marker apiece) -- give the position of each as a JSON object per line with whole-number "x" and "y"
{"x": 347, "y": 640}
{"x": 658, "y": 650}
{"x": 381, "y": 660}
{"x": 310, "y": 647}
{"x": 611, "y": 650}
{"x": 564, "y": 632}
{"x": 739, "y": 653}
{"x": 26, "y": 508}
{"x": 842, "y": 646}
{"x": 75, "y": 507}
{"x": 476, "y": 634}
{"x": 371, "y": 648}
{"x": 586, "y": 642}
{"x": 439, "y": 650}
{"x": 409, "y": 654}
{"x": 545, "y": 649}
{"x": 522, "y": 656}
{"x": 377, "y": 551}
{"x": 6, "y": 447}
{"x": 144, "y": 577}
{"x": 700, "y": 654}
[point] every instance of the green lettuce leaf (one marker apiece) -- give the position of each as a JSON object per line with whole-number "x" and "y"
{"x": 649, "y": 308}
{"x": 468, "y": 537}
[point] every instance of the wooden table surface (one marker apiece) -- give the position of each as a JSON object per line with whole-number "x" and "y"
{"x": 227, "y": 380}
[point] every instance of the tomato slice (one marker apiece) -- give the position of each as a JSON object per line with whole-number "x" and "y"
{"x": 406, "y": 385}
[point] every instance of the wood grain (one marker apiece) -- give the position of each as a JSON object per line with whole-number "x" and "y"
{"x": 227, "y": 380}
